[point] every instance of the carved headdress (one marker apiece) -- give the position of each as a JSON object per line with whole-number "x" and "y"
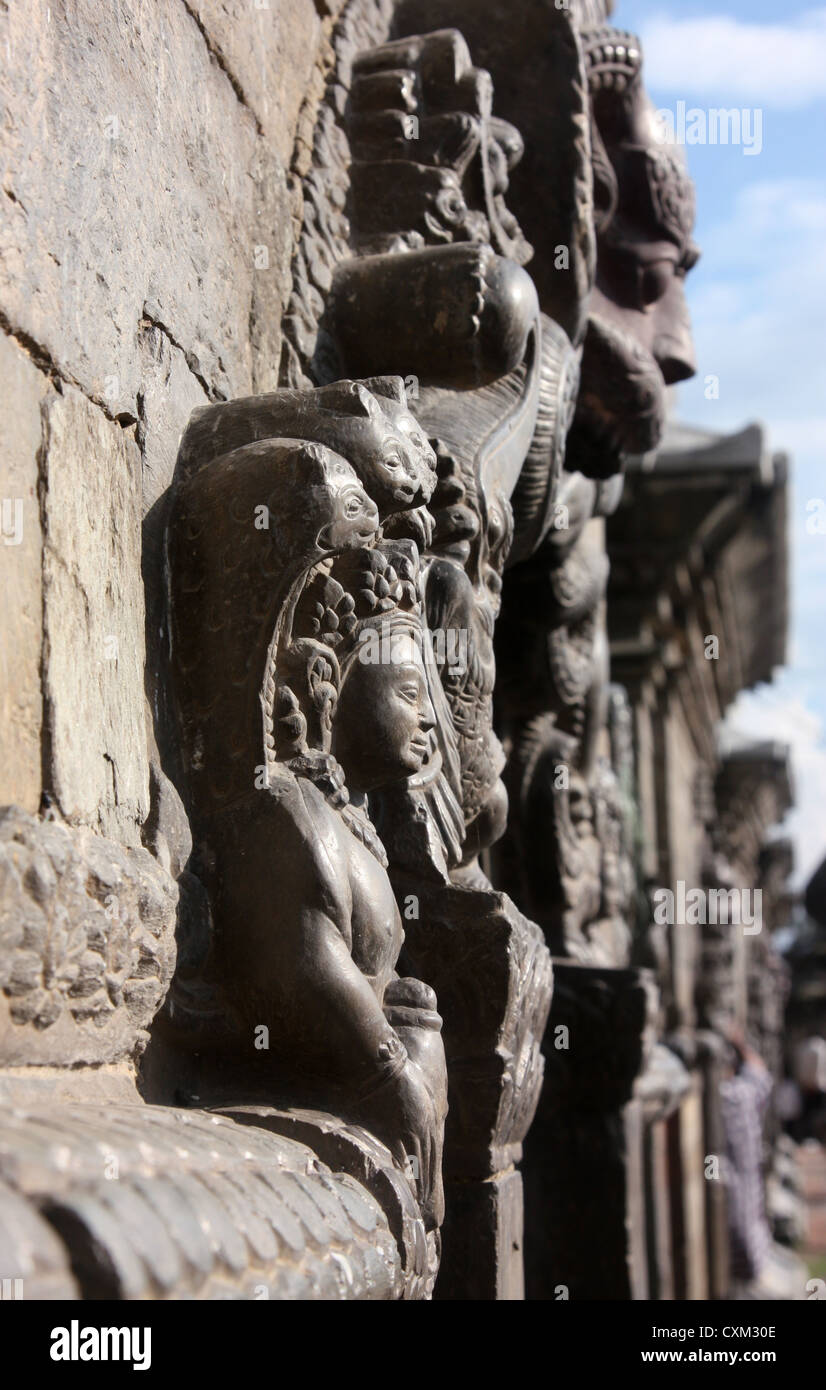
{"x": 362, "y": 593}
{"x": 635, "y": 171}
{"x": 268, "y": 488}
{"x": 244, "y": 533}
{"x": 310, "y": 657}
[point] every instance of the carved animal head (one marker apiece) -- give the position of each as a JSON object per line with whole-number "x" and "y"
{"x": 367, "y": 422}
{"x": 385, "y": 441}
{"x": 242, "y": 532}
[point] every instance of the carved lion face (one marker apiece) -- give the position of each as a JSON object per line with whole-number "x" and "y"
{"x": 384, "y": 442}
{"x": 353, "y": 516}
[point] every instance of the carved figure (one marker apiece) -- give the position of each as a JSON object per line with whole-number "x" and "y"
{"x": 288, "y": 730}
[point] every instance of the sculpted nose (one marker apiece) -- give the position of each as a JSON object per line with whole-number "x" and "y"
{"x": 427, "y": 715}
{"x": 673, "y": 342}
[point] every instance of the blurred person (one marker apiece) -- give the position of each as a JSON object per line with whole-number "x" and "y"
{"x": 760, "y": 1269}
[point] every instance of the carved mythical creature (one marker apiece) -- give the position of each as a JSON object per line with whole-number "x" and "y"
{"x": 639, "y": 331}
{"x": 637, "y": 341}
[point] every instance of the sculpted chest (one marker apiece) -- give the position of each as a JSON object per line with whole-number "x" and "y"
{"x": 375, "y": 925}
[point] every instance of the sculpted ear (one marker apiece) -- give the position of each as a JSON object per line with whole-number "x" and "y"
{"x": 348, "y": 397}
{"x": 391, "y": 387}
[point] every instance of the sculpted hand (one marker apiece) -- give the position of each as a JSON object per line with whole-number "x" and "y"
{"x": 408, "y": 1109}
{"x": 410, "y": 1009}
{"x": 417, "y": 1119}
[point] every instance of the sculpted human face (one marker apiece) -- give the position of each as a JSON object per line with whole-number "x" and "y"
{"x": 384, "y": 716}
{"x": 639, "y": 333}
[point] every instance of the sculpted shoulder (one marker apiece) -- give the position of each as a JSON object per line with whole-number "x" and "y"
{"x": 302, "y": 841}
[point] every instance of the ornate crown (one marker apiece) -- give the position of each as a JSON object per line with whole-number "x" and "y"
{"x": 613, "y": 59}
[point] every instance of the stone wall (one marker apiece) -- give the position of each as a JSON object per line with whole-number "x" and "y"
{"x": 148, "y": 212}
{"x": 151, "y": 190}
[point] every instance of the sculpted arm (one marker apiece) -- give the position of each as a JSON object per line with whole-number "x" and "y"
{"x": 293, "y": 963}
{"x": 340, "y": 1002}
{"x": 390, "y": 1092}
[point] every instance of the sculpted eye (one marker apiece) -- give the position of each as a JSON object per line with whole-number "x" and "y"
{"x": 654, "y": 281}
{"x": 414, "y": 434}
{"x": 353, "y": 505}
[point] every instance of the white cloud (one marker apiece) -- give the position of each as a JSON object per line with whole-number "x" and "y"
{"x": 732, "y": 60}
{"x": 778, "y": 714}
{"x": 801, "y": 436}
{"x": 758, "y": 302}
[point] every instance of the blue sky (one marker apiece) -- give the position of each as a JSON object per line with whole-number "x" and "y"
{"x": 758, "y": 301}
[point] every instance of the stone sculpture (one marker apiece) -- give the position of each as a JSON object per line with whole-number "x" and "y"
{"x": 381, "y": 724}
{"x": 491, "y": 385}
{"x": 564, "y": 779}
{"x": 277, "y": 579}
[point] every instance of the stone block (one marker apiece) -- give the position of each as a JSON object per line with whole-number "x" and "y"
{"x": 93, "y": 619}
{"x": 129, "y": 195}
{"x": 22, "y": 388}
{"x": 268, "y": 48}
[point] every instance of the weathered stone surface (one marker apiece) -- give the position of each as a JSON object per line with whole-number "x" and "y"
{"x": 31, "y": 1252}
{"x": 271, "y": 285}
{"x": 169, "y": 394}
{"x": 97, "y": 241}
{"x": 86, "y": 944}
{"x": 159, "y": 1203}
{"x": 267, "y": 47}
{"x": 94, "y": 619}
{"x": 21, "y": 607}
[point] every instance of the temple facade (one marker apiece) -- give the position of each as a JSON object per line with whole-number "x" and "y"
{"x": 369, "y": 845}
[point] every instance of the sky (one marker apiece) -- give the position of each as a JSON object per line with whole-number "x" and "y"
{"x": 758, "y": 302}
